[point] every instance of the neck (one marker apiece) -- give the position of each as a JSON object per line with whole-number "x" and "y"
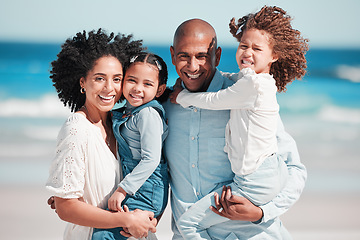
{"x": 95, "y": 116}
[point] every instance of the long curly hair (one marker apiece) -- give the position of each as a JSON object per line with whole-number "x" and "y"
{"x": 287, "y": 43}
{"x": 78, "y": 56}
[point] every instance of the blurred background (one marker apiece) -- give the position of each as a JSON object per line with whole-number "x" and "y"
{"x": 322, "y": 111}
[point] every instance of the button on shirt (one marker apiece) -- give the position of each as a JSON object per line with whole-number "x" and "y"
{"x": 198, "y": 165}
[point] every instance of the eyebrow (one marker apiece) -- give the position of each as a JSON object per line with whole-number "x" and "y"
{"x": 103, "y": 74}
{"x": 185, "y": 53}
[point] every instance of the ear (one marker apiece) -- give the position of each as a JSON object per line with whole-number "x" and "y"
{"x": 275, "y": 58}
{"x": 172, "y": 52}
{"x": 82, "y": 82}
{"x": 217, "y": 56}
{"x": 161, "y": 90}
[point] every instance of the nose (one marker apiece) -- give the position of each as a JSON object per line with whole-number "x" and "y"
{"x": 247, "y": 52}
{"x": 109, "y": 85}
{"x": 137, "y": 88}
{"x": 193, "y": 64}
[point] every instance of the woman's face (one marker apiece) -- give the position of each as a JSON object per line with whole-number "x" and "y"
{"x": 103, "y": 84}
{"x": 141, "y": 83}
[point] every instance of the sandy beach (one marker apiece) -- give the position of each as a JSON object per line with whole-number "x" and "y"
{"x": 328, "y": 208}
{"x": 25, "y": 215}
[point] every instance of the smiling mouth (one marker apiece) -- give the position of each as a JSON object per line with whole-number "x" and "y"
{"x": 107, "y": 98}
{"x": 247, "y": 62}
{"x": 193, "y": 76}
{"x": 135, "y": 96}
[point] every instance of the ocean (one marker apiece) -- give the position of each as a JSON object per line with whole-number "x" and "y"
{"x": 321, "y": 112}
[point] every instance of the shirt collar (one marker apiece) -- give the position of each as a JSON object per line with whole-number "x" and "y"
{"x": 216, "y": 83}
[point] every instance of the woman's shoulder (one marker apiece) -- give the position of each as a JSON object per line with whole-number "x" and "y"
{"x": 75, "y": 125}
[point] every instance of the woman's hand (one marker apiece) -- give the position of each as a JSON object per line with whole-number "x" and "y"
{"x": 235, "y": 207}
{"x": 140, "y": 224}
{"x": 51, "y": 202}
{"x": 114, "y": 202}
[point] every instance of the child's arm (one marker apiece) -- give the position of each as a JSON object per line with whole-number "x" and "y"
{"x": 114, "y": 202}
{"x": 150, "y": 127}
{"x": 247, "y": 93}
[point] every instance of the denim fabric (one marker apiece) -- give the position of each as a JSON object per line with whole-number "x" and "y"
{"x": 153, "y": 194}
{"x": 107, "y": 234}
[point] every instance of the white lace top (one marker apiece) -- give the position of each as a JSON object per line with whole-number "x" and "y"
{"x": 251, "y": 131}
{"x": 84, "y": 167}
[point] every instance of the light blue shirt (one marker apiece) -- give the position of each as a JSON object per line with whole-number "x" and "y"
{"x": 198, "y": 165}
{"x": 144, "y": 132}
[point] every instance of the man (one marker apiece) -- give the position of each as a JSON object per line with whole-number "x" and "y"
{"x": 194, "y": 148}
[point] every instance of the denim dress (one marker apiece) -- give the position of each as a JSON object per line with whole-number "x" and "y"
{"x": 153, "y": 194}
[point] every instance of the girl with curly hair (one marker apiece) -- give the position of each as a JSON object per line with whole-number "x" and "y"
{"x": 270, "y": 55}
{"x": 87, "y": 75}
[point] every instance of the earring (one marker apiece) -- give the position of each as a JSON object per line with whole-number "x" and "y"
{"x": 82, "y": 90}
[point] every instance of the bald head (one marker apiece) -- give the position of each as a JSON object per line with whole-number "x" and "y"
{"x": 195, "y": 28}
{"x": 195, "y": 54}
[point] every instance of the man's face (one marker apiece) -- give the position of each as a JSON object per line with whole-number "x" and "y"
{"x": 195, "y": 59}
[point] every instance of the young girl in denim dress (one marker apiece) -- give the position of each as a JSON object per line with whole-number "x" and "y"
{"x": 140, "y": 129}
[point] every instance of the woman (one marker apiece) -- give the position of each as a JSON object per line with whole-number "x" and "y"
{"x": 87, "y": 76}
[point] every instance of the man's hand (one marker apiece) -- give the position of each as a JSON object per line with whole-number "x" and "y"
{"x": 114, "y": 202}
{"x": 235, "y": 207}
{"x": 177, "y": 89}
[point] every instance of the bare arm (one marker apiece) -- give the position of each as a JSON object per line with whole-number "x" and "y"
{"x": 78, "y": 212}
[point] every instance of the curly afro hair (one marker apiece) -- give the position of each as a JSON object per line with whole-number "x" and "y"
{"x": 288, "y": 45}
{"x": 78, "y": 56}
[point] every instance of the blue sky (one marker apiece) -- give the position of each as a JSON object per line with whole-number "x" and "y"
{"x": 327, "y": 23}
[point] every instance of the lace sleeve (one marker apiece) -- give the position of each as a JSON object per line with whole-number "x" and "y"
{"x": 67, "y": 171}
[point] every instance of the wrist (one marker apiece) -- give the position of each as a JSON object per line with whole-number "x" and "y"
{"x": 121, "y": 190}
{"x": 259, "y": 216}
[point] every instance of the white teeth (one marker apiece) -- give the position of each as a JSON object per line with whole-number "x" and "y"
{"x": 107, "y": 98}
{"x": 247, "y": 62}
{"x": 193, "y": 75}
{"x": 135, "y": 96}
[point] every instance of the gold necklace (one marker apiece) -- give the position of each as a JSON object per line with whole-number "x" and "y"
{"x": 107, "y": 138}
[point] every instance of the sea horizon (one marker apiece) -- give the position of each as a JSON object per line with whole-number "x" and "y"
{"x": 321, "y": 112}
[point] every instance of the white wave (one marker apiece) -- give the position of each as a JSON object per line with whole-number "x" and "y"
{"x": 42, "y": 133}
{"x": 47, "y": 106}
{"x": 351, "y": 73}
{"x": 339, "y": 114}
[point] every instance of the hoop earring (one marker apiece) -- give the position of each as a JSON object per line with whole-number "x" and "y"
{"x": 82, "y": 90}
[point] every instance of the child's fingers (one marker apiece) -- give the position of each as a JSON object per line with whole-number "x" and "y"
{"x": 126, "y": 208}
{"x": 125, "y": 234}
{"x": 118, "y": 207}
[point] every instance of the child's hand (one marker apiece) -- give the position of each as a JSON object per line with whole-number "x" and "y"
{"x": 114, "y": 203}
{"x": 177, "y": 89}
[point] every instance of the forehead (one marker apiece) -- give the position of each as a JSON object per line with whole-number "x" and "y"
{"x": 193, "y": 44}
{"x": 142, "y": 70}
{"x": 256, "y": 36}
